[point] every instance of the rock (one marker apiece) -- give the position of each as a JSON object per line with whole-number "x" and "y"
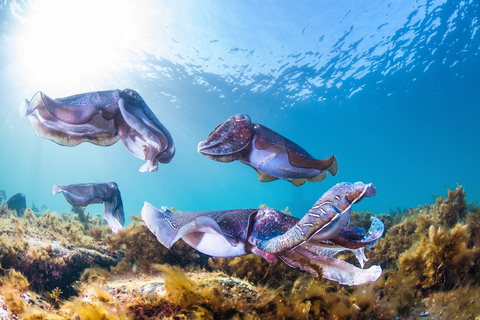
{"x": 18, "y": 203}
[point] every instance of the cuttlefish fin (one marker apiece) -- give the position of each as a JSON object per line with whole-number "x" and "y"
{"x": 298, "y": 157}
{"x": 203, "y": 224}
{"x": 298, "y": 182}
{"x": 262, "y": 176}
{"x": 329, "y": 164}
{"x": 319, "y": 177}
{"x": 265, "y": 177}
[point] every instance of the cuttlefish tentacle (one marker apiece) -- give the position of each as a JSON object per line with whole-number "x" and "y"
{"x": 272, "y": 155}
{"x": 332, "y": 269}
{"x": 83, "y": 194}
{"x": 326, "y": 219}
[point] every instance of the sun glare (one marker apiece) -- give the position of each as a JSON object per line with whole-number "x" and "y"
{"x": 75, "y": 42}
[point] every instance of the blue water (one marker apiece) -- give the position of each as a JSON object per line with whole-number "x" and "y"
{"x": 390, "y": 88}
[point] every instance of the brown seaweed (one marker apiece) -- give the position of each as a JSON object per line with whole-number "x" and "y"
{"x": 431, "y": 256}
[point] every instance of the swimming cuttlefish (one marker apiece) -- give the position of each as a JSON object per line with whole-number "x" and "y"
{"x": 84, "y": 194}
{"x": 272, "y": 155}
{"x": 102, "y": 118}
{"x": 306, "y": 243}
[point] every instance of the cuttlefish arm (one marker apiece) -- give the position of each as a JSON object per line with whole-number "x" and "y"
{"x": 102, "y": 118}
{"x": 221, "y": 233}
{"x": 321, "y": 254}
{"x": 332, "y": 246}
{"x": 332, "y": 269}
{"x": 84, "y": 194}
{"x": 142, "y": 133}
{"x": 229, "y": 140}
{"x": 312, "y": 242}
{"x": 329, "y": 216}
{"x": 348, "y": 240}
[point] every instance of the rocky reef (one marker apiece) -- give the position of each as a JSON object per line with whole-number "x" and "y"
{"x": 70, "y": 266}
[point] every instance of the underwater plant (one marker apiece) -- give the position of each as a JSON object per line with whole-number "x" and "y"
{"x": 54, "y": 297}
{"x": 430, "y": 269}
{"x": 51, "y": 250}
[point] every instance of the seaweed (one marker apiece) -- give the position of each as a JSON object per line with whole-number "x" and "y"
{"x": 51, "y": 250}
{"x": 54, "y": 297}
{"x": 397, "y": 240}
{"x": 452, "y": 209}
{"x": 430, "y": 255}
{"x": 222, "y": 297}
{"x": 441, "y": 260}
{"x": 142, "y": 248}
{"x": 459, "y": 303}
{"x": 257, "y": 270}
{"x": 12, "y": 286}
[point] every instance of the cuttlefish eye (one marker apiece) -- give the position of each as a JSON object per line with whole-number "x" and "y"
{"x": 268, "y": 213}
{"x": 112, "y": 185}
{"x": 241, "y": 117}
{"x": 132, "y": 94}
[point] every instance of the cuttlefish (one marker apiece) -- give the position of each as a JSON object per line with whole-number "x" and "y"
{"x": 83, "y": 194}
{"x": 306, "y": 243}
{"x": 272, "y": 155}
{"x": 102, "y": 118}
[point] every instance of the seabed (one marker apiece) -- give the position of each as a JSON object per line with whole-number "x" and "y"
{"x": 71, "y": 266}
